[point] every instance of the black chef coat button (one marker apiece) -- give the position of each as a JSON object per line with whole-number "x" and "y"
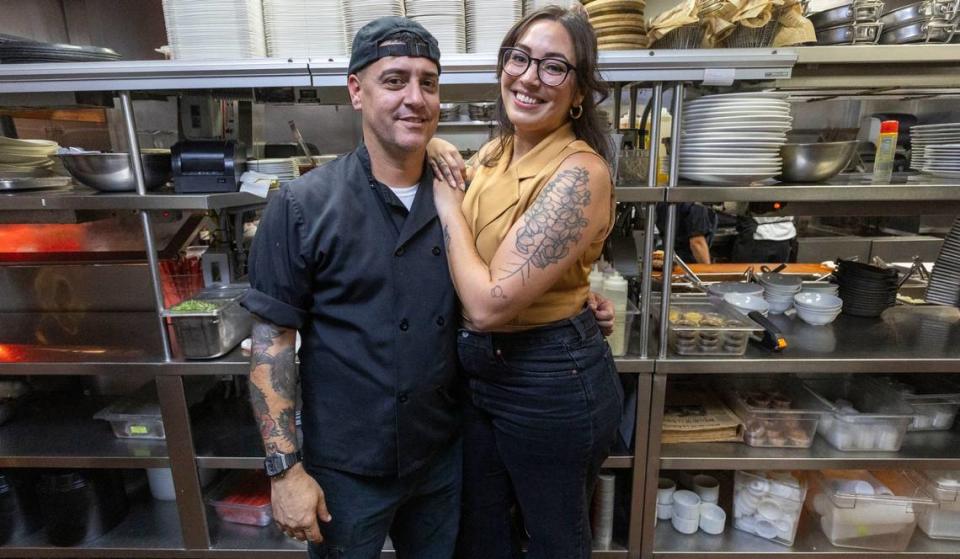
{"x": 436, "y": 251}
{"x": 403, "y": 398}
{"x": 440, "y": 321}
{"x": 399, "y": 252}
{"x": 404, "y": 325}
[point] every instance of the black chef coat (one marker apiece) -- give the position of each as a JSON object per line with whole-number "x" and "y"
{"x": 367, "y": 286}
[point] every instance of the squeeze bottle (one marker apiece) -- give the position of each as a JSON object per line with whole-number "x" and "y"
{"x": 886, "y": 150}
{"x": 615, "y": 289}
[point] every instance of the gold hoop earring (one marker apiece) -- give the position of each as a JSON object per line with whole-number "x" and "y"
{"x": 578, "y": 113}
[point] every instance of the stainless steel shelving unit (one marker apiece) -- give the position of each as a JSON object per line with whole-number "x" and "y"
{"x": 907, "y": 339}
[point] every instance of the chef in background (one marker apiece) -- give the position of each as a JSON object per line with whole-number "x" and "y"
{"x": 764, "y": 239}
{"x": 696, "y": 225}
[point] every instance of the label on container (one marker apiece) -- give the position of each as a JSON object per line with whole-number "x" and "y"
{"x": 139, "y": 430}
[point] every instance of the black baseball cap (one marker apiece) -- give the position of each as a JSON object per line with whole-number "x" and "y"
{"x": 367, "y": 49}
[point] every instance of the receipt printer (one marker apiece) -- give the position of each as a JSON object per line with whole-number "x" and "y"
{"x": 202, "y": 166}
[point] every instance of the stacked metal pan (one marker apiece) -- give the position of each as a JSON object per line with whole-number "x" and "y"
{"x": 849, "y": 23}
{"x": 866, "y": 290}
{"x": 926, "y": 21}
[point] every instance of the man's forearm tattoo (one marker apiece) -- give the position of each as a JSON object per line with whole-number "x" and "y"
{"x": 554, "y": 223}
{"x": 276, "y": 428}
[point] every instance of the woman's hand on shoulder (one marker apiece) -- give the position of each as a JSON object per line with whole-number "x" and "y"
{"x": 447, "y": 162}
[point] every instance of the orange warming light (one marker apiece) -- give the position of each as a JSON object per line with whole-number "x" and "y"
{"x": 41, "y": 238}
{"x": 9, "y": 354}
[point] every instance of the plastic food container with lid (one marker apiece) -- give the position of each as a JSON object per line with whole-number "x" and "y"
{"x": 776, "y": 412}
{"x": 768, "y": 504}
{"x": 211, "y": 323}
{"x": 859, "y": 414}
{"x": 702, "y": 327}
{"x": 868, "y": 510}
{"x": 941, "y": 521}
{"x": 134, "y": 418}
{"x": 935, "y": 402}
{"x": 243, "y": 498}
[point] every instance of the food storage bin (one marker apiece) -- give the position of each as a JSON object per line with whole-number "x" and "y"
{"x": 701, "y": 327}
{"x": 942, "y": 520}
{"x": 768, "y": 504}
{"x": 81, "y": 505}
{"x": 859, "y": 414}
{"x": 243, "y": 498}
{"x": 935, "y": 401}
{"x": 134, "y": 418}
{"x": 776, "y": 412}
{"x": 19, "y": 512}
{"x": 867, "y": 510}
{"x": 211, "y": 323}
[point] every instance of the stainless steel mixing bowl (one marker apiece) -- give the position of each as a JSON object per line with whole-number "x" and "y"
{"x": 110, "y": 172}
{"x": 815, "y": 162}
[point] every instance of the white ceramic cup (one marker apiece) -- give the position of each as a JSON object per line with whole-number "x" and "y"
{"x": 769, "y": 509}
{"x": 664, "y": 511}
{"x": 707, "y": 487}
{"x": 685, "y": 525}
{"x": 712, "y": 518}
{"x": 665, "y": 489}
{"x": 686, "y": 504}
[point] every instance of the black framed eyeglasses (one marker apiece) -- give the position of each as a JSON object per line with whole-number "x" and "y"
{"x": 551, "y": 71}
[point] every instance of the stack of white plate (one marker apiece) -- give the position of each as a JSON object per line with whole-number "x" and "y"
{"x": 26, "y": 157}
{"x": 215, "y": 29}
{"x": 298, "y": 28}
{"x": 923, "y": 136}
{"x": 488, "y": 22}
{"x": 530, "y": 6}
{"x": 444, "y": 19}
{"x": 944, "y": 285}
{"x": 942, "y": 161}
{"x": 285, "y": 169}
{"x": 734, "y": 138}
{"x": 358, "y": 13}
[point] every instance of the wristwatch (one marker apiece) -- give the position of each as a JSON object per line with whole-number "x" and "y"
{"x": 277, "y": 464}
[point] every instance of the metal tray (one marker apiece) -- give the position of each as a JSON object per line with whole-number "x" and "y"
{"x": 727, "y": 334}
{"x": 865, "y": 11}
{"x": 927, "y": 10}
{"x": 33, "y": 183}
{"x": 855, "y": 34}
{"x": 920, "y": 32}
{"x": 210, "y": 334}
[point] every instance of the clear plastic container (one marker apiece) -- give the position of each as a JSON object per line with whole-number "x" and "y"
{"x": 134, "y": 418}
{"x": 243, "y": 497}
{"x": 941, "y": 521}
{"x": 776, "y": 412}
{"x": 701, "y": 327}
{"x": 768, "y": 504}
{"x": 216, "y": 327}
{"x": 935, "y": 402}
{"x": 867, "y": 510}
{"x": 859, "y": 414}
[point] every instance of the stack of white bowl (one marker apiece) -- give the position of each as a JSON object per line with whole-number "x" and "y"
{"x": 817, "y": 309}
{"x": 442, "y": 18}
{"x": 26, "y": 157}
{"x": 215, "y": 29}
{"x": 779, "y": 289}
{"x": 747, "y": 303}
{"x": 820, "y": 287}
{"x": 734, "y": 138}
{"x": 295, "y": 30}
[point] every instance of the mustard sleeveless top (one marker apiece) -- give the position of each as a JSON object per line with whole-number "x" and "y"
{"x": 498, "y": 196}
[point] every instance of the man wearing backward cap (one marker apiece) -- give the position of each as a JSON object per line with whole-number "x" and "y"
{"x": 352, "y": 256}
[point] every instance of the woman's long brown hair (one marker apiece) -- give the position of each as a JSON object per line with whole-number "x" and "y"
{"x": 588, "y": 127}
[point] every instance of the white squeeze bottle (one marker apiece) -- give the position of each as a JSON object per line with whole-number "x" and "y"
{"x": 596, "y": 279}
{"x": 615, "y": 289}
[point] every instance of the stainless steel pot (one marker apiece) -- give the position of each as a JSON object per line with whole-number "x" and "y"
{"x": 927, "y": 10}
{"x": 861, "y": 11}
{"x": 857, "y": 33}
{"x": 920, "y": 32}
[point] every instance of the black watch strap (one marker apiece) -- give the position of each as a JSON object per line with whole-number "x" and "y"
{"x": 277, "y": 464}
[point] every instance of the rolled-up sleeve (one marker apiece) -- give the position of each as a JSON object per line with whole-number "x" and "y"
{"x": 280, "y": 265}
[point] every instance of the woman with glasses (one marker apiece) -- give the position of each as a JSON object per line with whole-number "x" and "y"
{"x": 544, "y": 397}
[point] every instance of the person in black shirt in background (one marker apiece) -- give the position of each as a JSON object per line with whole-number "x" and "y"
{"x": 696, "y": 225}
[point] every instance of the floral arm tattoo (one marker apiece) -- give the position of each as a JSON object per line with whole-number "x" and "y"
{"x": 553, "y": 224}
{"x": 273, "y": 386}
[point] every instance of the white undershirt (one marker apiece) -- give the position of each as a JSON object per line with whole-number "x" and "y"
{"x": 406, "y": 194}
{"x": 774, "y": 228}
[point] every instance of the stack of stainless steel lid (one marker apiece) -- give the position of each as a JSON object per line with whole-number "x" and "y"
{"x": 926, "y": 21}
{"x": 846, "y": 22}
